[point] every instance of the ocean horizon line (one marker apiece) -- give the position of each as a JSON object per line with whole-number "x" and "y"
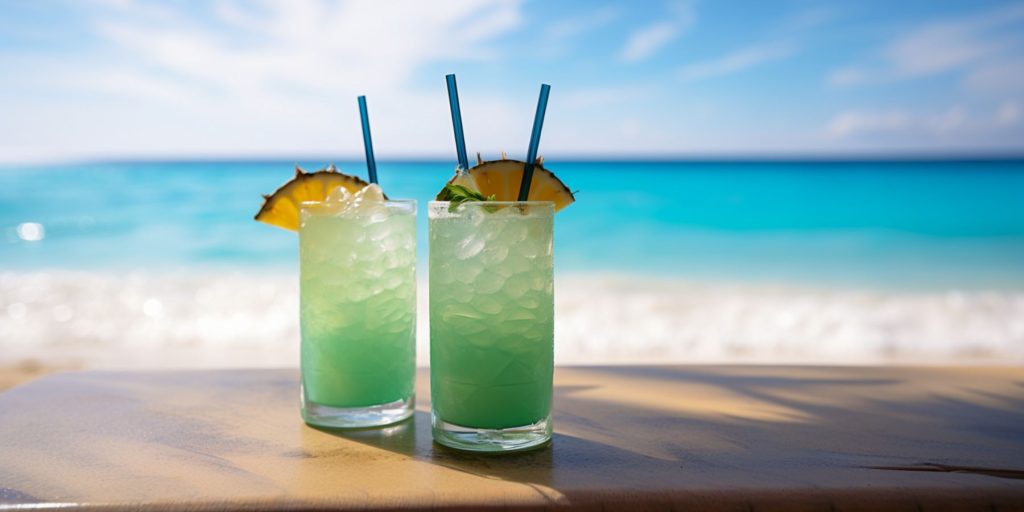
{"x": 795, "y": 158}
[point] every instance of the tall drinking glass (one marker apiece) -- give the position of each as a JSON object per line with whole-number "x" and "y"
{"x": 358, "y": 313}
{"x": 491, "y": 324}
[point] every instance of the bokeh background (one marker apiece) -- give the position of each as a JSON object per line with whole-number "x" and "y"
{"x": 759, "y": 182}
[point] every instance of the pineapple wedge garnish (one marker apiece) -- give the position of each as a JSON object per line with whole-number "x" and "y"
{"x": 281, "y": 208}
{"x": 501, "y": 179}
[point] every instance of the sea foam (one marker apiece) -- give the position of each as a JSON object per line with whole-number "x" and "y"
{"x": 205, "y": 319}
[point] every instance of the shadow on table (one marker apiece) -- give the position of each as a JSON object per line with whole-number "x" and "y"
{"x": 625, "y": 431}
{"x": 593, "y": 464}
{"x": 757, "y": 421}
{"x": 569, "y": 461}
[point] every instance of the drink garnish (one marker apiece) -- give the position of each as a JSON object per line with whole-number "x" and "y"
{"x": 499, "y": 180}
{"x": 281, "y": 208}
{"x": 457, "y": 194}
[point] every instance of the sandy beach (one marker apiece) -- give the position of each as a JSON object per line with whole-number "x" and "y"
{"x": 26, "y": 370}
{"x": 68, "y": 319}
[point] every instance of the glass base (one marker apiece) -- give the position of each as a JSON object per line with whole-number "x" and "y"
{"x": 491, "y": 440}
{"x": 357, "y": 417}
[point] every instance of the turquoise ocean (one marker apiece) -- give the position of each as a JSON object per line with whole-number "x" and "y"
{"x": 160, "y": 264}
{"x": 929, "y": 224}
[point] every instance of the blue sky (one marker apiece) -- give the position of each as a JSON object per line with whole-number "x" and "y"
{"x": 279, "y": 78}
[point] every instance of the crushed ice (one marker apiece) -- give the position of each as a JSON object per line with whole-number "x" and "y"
{"x": 368, "y": 200}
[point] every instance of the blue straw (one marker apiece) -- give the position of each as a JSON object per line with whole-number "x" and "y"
{"x": 371, "y": 164}
{"x": 460, "y": 137}
{"x": 531, "y": 154}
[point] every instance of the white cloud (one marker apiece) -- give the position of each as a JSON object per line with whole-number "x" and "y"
{"x": 563, "y": 36}
{"x": 939, "y": 47}
{"x": 980, "y": 51}
{"x": 572, "y": 27}
{"x": 139, "y": 10}
{"x": 951, "y": 120}
{"x": 128, "y": 84}
{"x": 847, "y": 76}
{"x": 1008, "y": 114}
{"x": 811, "y": 18}
{"x": 735, "y": 61}
{"x": 276, "y": 77}
{"x": 316, "y": 45}
{"x": 646, "y": 41}
{"x": 846, "y": 124}
{"x": 950, "y": 123}
{"x": 603, "y": 97}
{"x": 1002, "y": 77}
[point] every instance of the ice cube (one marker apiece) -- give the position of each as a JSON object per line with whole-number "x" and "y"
{"x": 516, "y": 288}
{"x": 515, "y": 232}
{"x": 475, "y": 216}
{"x": 487, "y": 304}
{"x": 527, "y": 249}
{"x": 369, "y": 195}
{"x": 469, "y": 247}
{"x": 517, "y": 320}
{"x": 457, "y": 313}
{"x": 392, "y": 279}
{"x": 528, "y": 302}
{"x": 359, "y": 292}
{"x": 468, "y": 272}
{"x": 339, "y": 195}
{"x": 380, "y": 233}
{"x": 378, "y": 216}
{"x": 488, "y": 282}
{"x": 539, "y": 283}
{"x": 494, "y": 254}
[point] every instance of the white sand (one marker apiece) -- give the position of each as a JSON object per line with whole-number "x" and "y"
{"x": 216, "y": 320}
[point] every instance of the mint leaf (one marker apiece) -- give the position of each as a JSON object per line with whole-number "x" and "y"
{"x": 458, "y": 194}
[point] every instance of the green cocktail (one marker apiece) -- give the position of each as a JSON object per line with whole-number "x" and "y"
{"x": 491, "y": 324}
{"x": 358, "y": 312}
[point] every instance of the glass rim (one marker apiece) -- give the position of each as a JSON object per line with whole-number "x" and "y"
{"x": 496, "y": 203}
{"x": 307, "y": 204}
